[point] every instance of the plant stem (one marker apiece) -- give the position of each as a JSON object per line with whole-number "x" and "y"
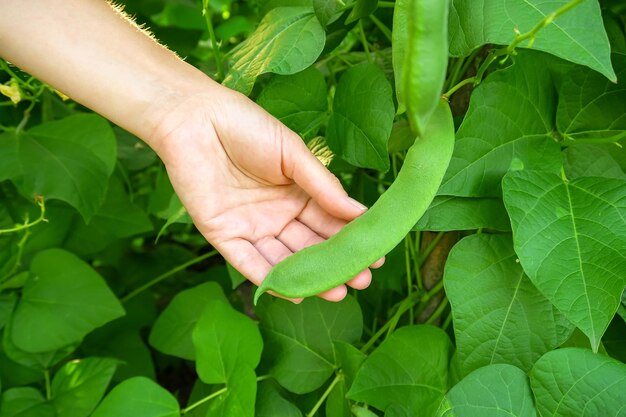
{"x": 366, "y": 46}
{"x": 168, "y": 274}
{"x": 386, "y": 4}
{"x": 382, "y": 27}
{"x": 470, "y": 80}
{"x": 430, "y": 248}
{"x": 27, "y": 225}
{"x": 319, "y": 402}
{"x": 409, "y": 282}
{"x": 46, "y": 377}
{"x": 215, "y": 48}
{"x": 440, "y": 309}
{"x": 214, "y": 395}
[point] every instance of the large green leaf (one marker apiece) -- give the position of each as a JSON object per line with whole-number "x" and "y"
{"x": 24, "y": 402}
{"x": 510, "y": 118}
{"x": 80, "y": 384}
{"x": 576, "y": 36}
{"x": 409, "y": 368}
{"x": 117, "y": 218}
{"x": 7, "y": 302}
{"x": 63, "y": 300}
{"x": 269, "y": 403}
{"x": 570, "y": 237}
{"x": 577, "y": 382}
{"x": 299, "y": 338}
{"x": 39, "y": 360}
{"x": 591, "y": 161}
{"x": 494, "y": 390}
{"x": 499, "y": 316}
{"x": 138, "y": 396}
{"x": 171, "y": 332}
{"x": 299, "y": 100}
{"x": 362, "y": 117}
{"x": 239, "y": 398}
{"x": 590, "y": 106}
{"x": 448, "y": 213}
{"x": 225, "y": 339}
{"x": 70, "y": 160}
{"x": 288, "y": 40}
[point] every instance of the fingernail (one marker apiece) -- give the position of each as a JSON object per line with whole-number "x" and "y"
{"x": 357, "y": 204}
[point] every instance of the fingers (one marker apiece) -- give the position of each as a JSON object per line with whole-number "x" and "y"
{"x": 312, "y": 176}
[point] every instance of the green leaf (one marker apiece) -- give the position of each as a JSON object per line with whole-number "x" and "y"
{"x": 298, "y": 100}
{"x": 138, "y": 396}
{"x": 499, "y": 316}
{"x": 171, "y": 332}
{"x": 336, "y": 404}
{"x": 326, "y": 11}
{"x": 591, "y": 161}
{"x": 288, "y": 40}
{"x": 183, "y": 15}
{"x": 63, "y": 300}
{"x": 395, "y": 410}
{"x": 70, "y": 160}
{"x": 236, "y": 277}
{"x": 577, "y": 36}
{"x": 24, "y": 402}
{"x": 570, "y": 237}
{"x": 117, "y": 218}
{"x": 349, "y": 360}
{"x": 590, "y": 106}
{"x": 577, "y": 382}
{"x": 456, "y": 213}
{"x": 510, "y": 117}
{"x": 217, "y": 338}
{"x": 362, "y": 117}
{"x": 299, "y": 338}
{"x": 409, "y": 368}
{"x": 9, "y": 157}
{"x": 7, "y": 302}
{"x": 80, "y": 384}
{"x": 361, "y": 9}
{"x": 40, "y": 360}
{"x": 269, "y": 403}
{"x": 494, "y": 390}
{"x": 240, "y": 396}
{"x": 132, "y": 153}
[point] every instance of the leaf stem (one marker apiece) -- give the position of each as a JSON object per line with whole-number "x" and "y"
{"x": 437, "y": 313}
{"x": 429, "y": 249}
{"x": 366, "y": 46}
{"x": 168, "y": 274}
{"x": 387, "y": 4}
{"x": 215, "y": 47}
{"x": 319, "y": 402}
{"x": 46, "y": 376}
{"x": 409, "y": 281}
{"x": 26, "y": 224}
{"x": 382, "y": 27}
{"x": 470, "y": 80}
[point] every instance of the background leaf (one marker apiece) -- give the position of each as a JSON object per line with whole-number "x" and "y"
{"x": 225, "y": 339}
{"x": 299, "y": 338}
{"x": 299, "y": 100}
{"x": 577, "y": 382}
{"x": 240, "y": 396}
{"x": 510, "y": 117}
{"x": 576, "y": 36}
{"x": 362, "y": 117}
{"x": 138, "y": 396}
{"x": 409, "y": 368}
{"x": 504, "y": 390}
{"x": 24, "y": 402}
{"x": 80, "y": 384}
{"x": 63, "y": 300}
{"x": 288, "y": 40}
{"x": 570, "y": 237}
{"x": 171, "y": 332}
{"x": 70, "y": 160}
{"x": 456, "y": 213}
{"x": 269, "y": 403}
{"x": 499, "y": 316}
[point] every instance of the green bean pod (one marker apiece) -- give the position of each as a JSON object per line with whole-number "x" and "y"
{"x": 425, "y": 59}
{"x": 372, "y": 235}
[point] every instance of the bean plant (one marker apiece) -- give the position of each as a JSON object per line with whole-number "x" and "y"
{"x": 506, "y": 298}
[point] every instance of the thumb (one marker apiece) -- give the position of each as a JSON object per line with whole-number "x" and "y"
{"x": 300, "y": 165}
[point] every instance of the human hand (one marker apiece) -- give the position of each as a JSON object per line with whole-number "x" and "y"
{"x": 250, "y": 184}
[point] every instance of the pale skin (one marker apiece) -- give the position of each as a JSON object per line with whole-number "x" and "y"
{"x": 252, "y": 187}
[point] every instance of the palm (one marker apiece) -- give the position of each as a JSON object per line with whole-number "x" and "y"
{"x": 235, "y": 179}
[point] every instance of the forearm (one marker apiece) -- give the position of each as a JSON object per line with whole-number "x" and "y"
{"x": 92, "y": 53}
